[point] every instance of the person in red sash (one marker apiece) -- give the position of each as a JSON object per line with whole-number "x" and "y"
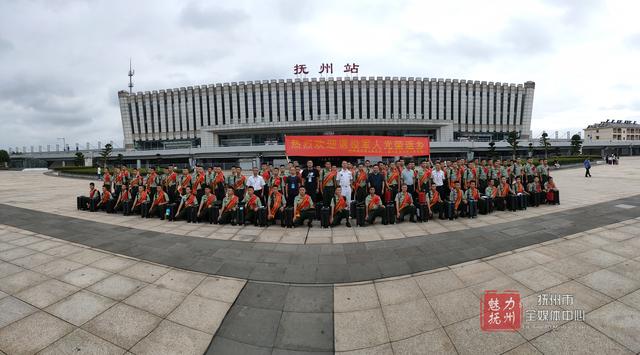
{"x": 136, "y": 180}
{"x": 392, "y": 181}
{"x": 404, "y": 205}
{"x": 275, "y": 205}
{"x": 456, "y": 207}
{"x": 552, "y": 192}
{"x": 436, "y": 204}
{"x": 205, "y": 211}
{"x": 159, "y": 204}
{"x": 471, "y": 199}
{"x": 360, "y": 184}
{"x": 339, "y": 209}
{"x": 519, "y": 194}
{"x": 106, "y": 179}
{"x": 170, "y": 183}
{"x": 218, "y": 186}
{"x": 106, "y": 201}
{"x": 118, "y": 181}
{"x": 239, "y": 183}
{"x": 503, "y": 194}
{"x": 374, "y": 207}
{"x": 328, "y": 183}
{"x": 251, "y": 203}
{"x": 229, "y": 207}
{"x": 89, "y": 202}
{"x": 187, "y": 208}
{"x": 184, "y": 181}
{"x": 536, "y": 193}
{"x": 140, "y": 202}
{"x": 123, "y": 202}
{"x": 303, "y": 208}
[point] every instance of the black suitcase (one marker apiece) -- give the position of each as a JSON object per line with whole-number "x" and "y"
{"x": 512, "y": 205}
{"x": 240, "y": 215}
{"x": 262, "y": 216}
{"x": 319, "y": 207}
{"x": 424, "y": 213}
{"x": 79, "y": 202}
{"x": 360, "y": 215}
{"x": 391, "y": 213}
{"x": 288, "y": 217}
{"x": 352, "y": 209}
{"x": 556, "y": 197}
{"x": 92, "y": 204}
{"x": 325, "y": 216}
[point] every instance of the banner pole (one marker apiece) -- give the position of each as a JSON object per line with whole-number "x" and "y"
{"x": 286, "y": 156}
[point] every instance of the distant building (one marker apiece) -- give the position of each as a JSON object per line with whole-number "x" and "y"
{"x": 612, "y": 130}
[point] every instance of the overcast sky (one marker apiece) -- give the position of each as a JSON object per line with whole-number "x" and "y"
{"x": 62, "y": 62}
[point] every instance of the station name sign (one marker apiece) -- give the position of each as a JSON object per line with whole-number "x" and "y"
{"x": 326, "y": 68}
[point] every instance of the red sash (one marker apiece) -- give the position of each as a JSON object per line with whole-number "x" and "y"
{"x": 190, "y": 200}
{"x": 475, "y": 194}
{"x": 92, "y": 192}
{"x": 425, "y": 176}
{"x": 160, "y": 199}
{"x": 276, "y": 181}
{"x": 458, "y": 198}
{"x": 185, "y": 182}
{"x": 136, "y": 180}
{"x": 332, "y": 174}
{"x": 232, "y": 203}
{"x": 252, "y": 202}
{"x": 520, "y": 188}
{"x": 106, "y": 196}
{"x": 340, "y": 205}
{"x": 240, "y": 182}
{"x": 199, "y": 181}
{"x": 124, "y": 195}
{"x": 375, "y": 200}
{"x": 266, "y": 174}
{"x": 394, "y": 176}
{"x": 172, "y": 177}
{"x": 151, "y": 178}
{"x": 434, "y": 199}
{"x": 209, "y": 200}
{"x": 107, "y": 178}
{"x": 119, "y": 178}
{"x": 275, "y": 205}
{"x": 538, "y": 187}
{"x": 505, "y": 189}
{"x": 142, "y": 197}
{"x": 306, "y": 201}
{"x": 219, "y": 179}
{"x": 494, "y": 192}
{"x": 361, "y": 177}
{"x": 406, "y": 201}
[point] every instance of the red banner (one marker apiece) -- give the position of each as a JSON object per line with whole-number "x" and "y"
{"x": 384, "y": 146}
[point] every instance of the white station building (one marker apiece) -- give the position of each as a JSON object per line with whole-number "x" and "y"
{"x": 261, "y": 113}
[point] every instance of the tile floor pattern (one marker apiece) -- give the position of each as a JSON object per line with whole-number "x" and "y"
{"x": 437, "y": 312}
{"x": 61, "y": 298}
{"x": 575, "y": 191}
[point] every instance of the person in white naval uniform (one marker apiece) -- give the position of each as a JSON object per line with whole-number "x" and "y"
{"x": 345, "y": 178}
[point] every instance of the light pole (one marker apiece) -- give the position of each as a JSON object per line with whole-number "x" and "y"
{"x": 64, "y": 144}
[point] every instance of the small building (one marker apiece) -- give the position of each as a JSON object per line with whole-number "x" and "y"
{"x": 612, "y": 130}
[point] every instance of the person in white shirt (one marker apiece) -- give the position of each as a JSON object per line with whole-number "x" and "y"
{"x": 345, "y": 178}
{"x": 257, "y": 182}
{"x": 438, "y": 179}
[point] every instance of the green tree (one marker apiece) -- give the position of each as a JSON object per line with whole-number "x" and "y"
{"x": 120, "y": 159}
{"x": 105, "y": 154}
{"x": 544, "y": 141}
{"x": 512, "y": 139}
{"x": 492, "y": 149}
{"x": 4, "y": 158}
{"x": 576, "y": 144}
{"x": 79, "y": 159}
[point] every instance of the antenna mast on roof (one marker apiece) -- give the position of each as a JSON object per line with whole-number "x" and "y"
{"x": 131, "y": 73}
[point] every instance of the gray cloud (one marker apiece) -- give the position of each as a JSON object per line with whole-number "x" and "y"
{"x": 5, "y": 46}
{"x": 199, "y": 16}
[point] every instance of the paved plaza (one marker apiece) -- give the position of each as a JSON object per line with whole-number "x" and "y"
{"x": 74, "y": 282}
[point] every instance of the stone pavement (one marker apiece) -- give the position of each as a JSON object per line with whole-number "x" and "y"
{"x": 90, "y": 287}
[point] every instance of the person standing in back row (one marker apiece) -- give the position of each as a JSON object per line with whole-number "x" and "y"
{"x": 311, "y": 176}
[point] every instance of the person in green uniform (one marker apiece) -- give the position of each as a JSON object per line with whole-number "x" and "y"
{"x": 373, "y": 207}
{"x": 404, "y": 205}
{"x": 339, "y": 209}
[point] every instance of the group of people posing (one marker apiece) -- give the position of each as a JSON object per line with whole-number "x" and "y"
{"x": 294, "y": 195}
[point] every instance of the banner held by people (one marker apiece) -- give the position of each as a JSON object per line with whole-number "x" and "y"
{"x": 343, "y": 145}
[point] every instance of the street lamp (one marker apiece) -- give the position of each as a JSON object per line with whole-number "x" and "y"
{"x": 64, "y": 144}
